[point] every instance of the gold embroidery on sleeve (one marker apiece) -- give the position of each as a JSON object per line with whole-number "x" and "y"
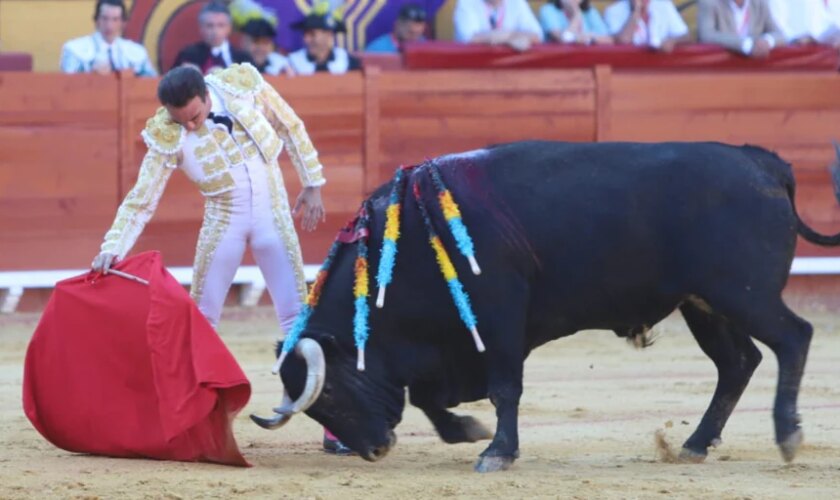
{"x": 139, "y": 204}
{"x": 291, "y": 129}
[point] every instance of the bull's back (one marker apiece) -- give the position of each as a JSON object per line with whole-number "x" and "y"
{"x": 611, "y": 224}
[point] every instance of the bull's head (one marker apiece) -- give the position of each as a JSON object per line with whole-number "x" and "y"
{"x": 321, "y": 378}
{"x": 313, "y": 357}
{"x": 360, "y": 408}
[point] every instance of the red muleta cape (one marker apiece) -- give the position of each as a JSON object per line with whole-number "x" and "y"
{"x": 122, "y": 369}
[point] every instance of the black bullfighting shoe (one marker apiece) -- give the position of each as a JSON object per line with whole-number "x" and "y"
{"x": 336, "y": 447}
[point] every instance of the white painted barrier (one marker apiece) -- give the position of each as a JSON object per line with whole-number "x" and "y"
{"x": 14, "y": 283}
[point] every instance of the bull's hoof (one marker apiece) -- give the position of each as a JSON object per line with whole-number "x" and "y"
{"x": 493, "y": 464}
{"x": 791, "y": 445}
{"x": 689, "y": 456}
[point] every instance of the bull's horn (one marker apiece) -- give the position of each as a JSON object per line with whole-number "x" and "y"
{"x": 286, "y": 406}
{"x": 276, "y": 368}
{"x": 271, "y": 423}
{"x": 312, "y": 353}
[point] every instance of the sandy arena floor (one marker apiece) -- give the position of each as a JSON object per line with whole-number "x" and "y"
{"x": 591, "y": 407}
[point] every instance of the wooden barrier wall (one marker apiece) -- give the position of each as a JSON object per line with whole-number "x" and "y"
{"x": 794, "y": 114}
{"x": 70, "y": 145}
{"x": 59, "y": 151}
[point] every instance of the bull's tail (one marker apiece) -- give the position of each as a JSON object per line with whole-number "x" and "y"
{"x": 784, "y": 173}
{"x": 803, "y": 229}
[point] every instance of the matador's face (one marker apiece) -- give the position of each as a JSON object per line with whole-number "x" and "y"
{"x": 193, "y": 114}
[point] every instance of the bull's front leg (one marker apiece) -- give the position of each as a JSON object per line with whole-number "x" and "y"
{"x": 504, "y": 389}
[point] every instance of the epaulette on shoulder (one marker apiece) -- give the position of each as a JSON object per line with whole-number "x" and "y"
{"x": 162, "y": 134}
{"x": 240, "y": 80}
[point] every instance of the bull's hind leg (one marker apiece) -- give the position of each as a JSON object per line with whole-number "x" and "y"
{"x": 789, "y": 337}
{"x": 735, "y": 356}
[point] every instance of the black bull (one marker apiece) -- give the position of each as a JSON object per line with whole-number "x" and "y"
{"x": 570, "y": 237}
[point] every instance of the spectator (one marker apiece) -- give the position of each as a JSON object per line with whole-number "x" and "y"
{"x": 320, "y": 53}
{"x": 573, "y": 21}
{"x": 258, "y": 41}
{"x": 497, "y": 22}
{"x": 807, "y": 21}
{"x": 214, "y": 51}
{"x": 744, "y": 26}
{"x": 410, "y": 27}
{"x": 832, "y": 35}
{"x": 106, "y": 51}
{"x": 648, "y": 23}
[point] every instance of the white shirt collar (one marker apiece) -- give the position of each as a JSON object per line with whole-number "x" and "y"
{"x": 221, "y": 50}
{"x": 739, "y": 11}
{"x": 99, "y": 39}
{"x": 741, "y": 16}
{"x": 217, "y": 106}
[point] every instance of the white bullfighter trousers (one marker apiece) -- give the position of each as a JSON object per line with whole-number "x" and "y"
{"x": 233, "y": 220}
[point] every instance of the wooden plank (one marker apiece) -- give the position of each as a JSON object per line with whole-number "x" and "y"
{"x": 49, "y": 162}
{"x": 481, "y": 105}
{"x": 486, "y": 81}
{"x": 558, "y": 126}
{"x": 41, "y": 96}
{"x": 732, "y": 126}
{"x": 603, "y": 103}
{"x": 651, "y": 93}
{"x": 372, "y": 150}
{"x": 318, "y": 86}
{"x": 125, "y": 152}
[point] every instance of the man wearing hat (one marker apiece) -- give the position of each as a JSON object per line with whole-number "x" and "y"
{"x": 320, "y": 53}
{"x": 410, "y": 27}
{"x": 258, "y": 40}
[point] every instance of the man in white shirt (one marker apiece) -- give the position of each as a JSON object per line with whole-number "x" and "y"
{"x": 744, "y": 26}
{"x": 808, "y": 21}
{"x": 832, "y": 36}
{"x": 497, "y": 22}
{"x": 646, "y": 23}
{"x": 106, "y": 51}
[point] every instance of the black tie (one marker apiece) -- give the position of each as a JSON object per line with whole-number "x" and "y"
{"x": 224, "y": 120}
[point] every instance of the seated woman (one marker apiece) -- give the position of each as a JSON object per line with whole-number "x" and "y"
{"x": 573, "y": 21}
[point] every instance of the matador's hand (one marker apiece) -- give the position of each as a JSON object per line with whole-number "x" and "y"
{"x": 310, "y": 208}
{"x": 102, "y": 262}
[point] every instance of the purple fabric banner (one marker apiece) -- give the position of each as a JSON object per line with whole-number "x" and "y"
{"x": 366, "y": 19}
